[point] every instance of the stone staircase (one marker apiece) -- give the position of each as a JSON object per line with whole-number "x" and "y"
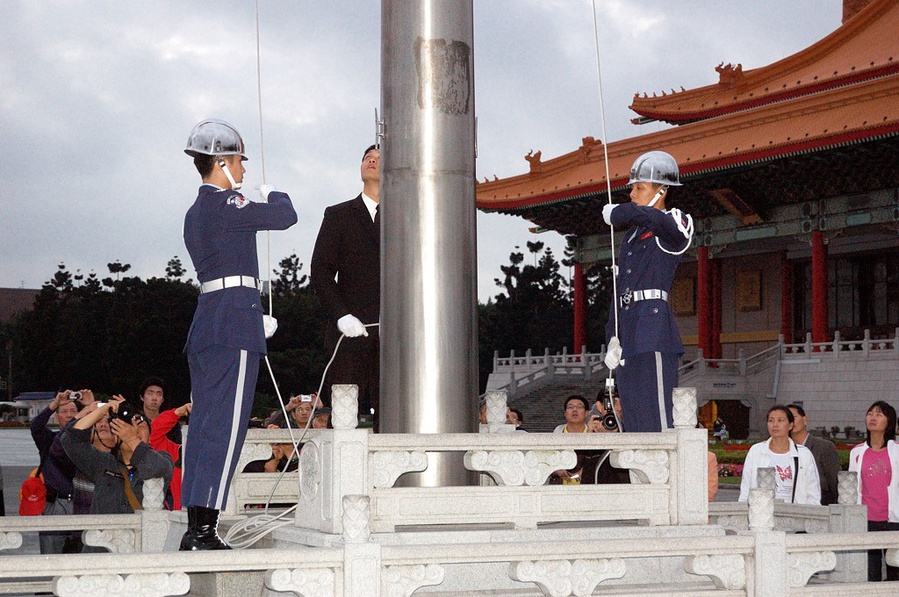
{"x": 544, "y": 409}
{"x": 835, "y": 381}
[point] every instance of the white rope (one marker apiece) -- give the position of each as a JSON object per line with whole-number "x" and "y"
{"x": 605, "y": 149}
{"x": 268, "y": 233}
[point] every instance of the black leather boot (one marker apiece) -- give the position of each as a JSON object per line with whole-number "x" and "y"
{"x": 202, "y": 531}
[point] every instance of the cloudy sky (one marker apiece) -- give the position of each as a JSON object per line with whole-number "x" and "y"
{"x": 98, "y": 98}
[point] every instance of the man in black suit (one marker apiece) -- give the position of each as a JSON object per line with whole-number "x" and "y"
{"x": 346, "y": 275}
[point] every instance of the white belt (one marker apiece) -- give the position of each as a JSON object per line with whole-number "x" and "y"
{"x": 229, "y": 282}
{"x": 643, "y": 295}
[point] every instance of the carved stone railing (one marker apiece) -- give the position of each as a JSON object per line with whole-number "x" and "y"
{"x": 361, "y": 558}
{"x": 306, "y": 571}
{"x": 249, "y": 491}
{"x": 143, "y": 531}
{"x": 667, "y": 489}
{"x": 530, "y": 372}
{"x": 867, "y": 346}
{"x": 761, "y": 563}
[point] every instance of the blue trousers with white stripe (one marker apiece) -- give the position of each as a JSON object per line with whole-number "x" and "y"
{"x": 645, "y": 382}
{"x": 223, "y": 384}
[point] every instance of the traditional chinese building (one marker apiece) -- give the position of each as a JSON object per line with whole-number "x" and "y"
{"x": 791, "y": 173}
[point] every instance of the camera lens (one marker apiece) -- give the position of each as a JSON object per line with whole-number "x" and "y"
{"x": 75, "y": 396}
{"x": 126, "y": 412}
{"x": 609, "y": 422}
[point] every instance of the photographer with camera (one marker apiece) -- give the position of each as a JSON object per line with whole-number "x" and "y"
{"x": 299, "y": 408}
{"x": 118, "y": 475}
{"x": 56, "y": 467}
{"x": 601, "y": 419}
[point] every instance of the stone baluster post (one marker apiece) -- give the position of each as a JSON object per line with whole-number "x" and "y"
{"x": 334, "y": 464}
{"x": 770, "y": 561}
{"x": 154, "y": 520}
{"x": 847, "y": 516}
{"x": 689, "y": 462}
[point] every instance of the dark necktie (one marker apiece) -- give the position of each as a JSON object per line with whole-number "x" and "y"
{"x": 378, "y": 216}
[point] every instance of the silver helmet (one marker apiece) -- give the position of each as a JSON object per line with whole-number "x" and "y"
{"x": 657, "y": 167}
{"x": 214, "y": 137}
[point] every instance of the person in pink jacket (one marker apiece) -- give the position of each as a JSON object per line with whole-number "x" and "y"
{"x": 877, "y": 463}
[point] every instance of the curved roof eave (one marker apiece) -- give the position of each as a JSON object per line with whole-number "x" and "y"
{"x": 844, "y": 57}
{"x": 812, "y": 123}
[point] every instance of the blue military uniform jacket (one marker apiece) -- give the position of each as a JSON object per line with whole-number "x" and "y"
{"x": 647, "y": 325}
{"x": 220, "y": 235}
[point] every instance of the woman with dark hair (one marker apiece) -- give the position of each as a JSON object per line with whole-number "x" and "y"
{"x": 877, "y": 463}
{"x": 795, "y": 473}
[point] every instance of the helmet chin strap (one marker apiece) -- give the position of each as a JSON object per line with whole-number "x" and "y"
{"x": 655, "y": 198}
{"x": 224, "y": 167}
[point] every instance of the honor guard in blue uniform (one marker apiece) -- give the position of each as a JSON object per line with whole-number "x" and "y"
{"x": 226, "y": 339}
{"x": 647, "y": 348}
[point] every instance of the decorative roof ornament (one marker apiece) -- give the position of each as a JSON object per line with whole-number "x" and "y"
{"x": 534, "y": 159}
{"x": 590, "y": 149}
{"x": 729, "y": 75}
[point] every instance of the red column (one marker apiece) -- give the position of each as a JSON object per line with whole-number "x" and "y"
{"x": 786, "y": 298}
{"x": 704, "y": 286}
{"x": 819, "y": 287}
{"x": 580, "y": 308}
{"x": 715, "y": 340}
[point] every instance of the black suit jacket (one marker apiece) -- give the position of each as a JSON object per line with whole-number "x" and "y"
{"x": 346, "y": 269}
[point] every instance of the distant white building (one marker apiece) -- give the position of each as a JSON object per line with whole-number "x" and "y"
{"x": 28, "y": 405}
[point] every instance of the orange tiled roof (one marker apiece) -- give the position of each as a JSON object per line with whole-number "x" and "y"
{"x": 864, "y": 47}
{"x": 862, "y": 111}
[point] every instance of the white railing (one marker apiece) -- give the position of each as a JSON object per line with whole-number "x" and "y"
{"x": 760, "y": 563}
{"x": 143, "y": 531}
{"x": 531, "y": 372}
{"x": 249, "y": 491}
{"x": 350, "y": 504}
{"x": 346, "y": 461}
{"x": 866, "y": 346}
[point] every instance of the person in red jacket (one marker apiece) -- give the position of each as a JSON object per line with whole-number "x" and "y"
{"x": 165, "y": 422}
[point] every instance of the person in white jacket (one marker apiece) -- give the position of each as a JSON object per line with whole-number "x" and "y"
{"x": 877, "y": 463}
{"x": 796, "y": 475}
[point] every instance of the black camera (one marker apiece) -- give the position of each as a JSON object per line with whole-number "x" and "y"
{"x": 127, "y": 412}
{"x": 609, "y": 422}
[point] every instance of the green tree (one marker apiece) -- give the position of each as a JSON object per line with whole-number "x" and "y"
{"x": 174, "y": 269}
{"x": 532, "y": 311}
{"x": 107, "y": 340}
{"x": 289, "y": 280}
{"x": 598, "y": 276}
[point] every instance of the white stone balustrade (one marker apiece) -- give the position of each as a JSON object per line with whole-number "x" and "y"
{"x": 143, "y": 531}
{"x": 348, "y": 504}
{"x": 342, "y": 462}
{"x": 250, "y": 490}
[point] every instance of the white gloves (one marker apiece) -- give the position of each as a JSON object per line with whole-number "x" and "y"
{"x": 607, "y": 212}
{"x": 613, "y": 354}
{"x": 265, "y": 189}
{"x": 350, "y": 326}
{"x": 270, "y": 325}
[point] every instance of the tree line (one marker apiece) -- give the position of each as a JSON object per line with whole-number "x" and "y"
{"x": 109, "y": 334}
